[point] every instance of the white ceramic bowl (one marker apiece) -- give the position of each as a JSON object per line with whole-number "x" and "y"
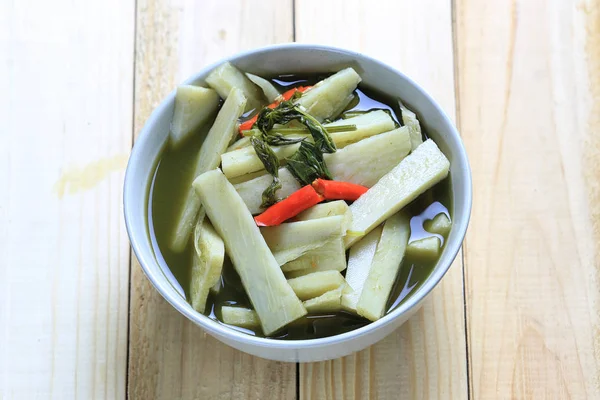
{"x": 300, "y": 58}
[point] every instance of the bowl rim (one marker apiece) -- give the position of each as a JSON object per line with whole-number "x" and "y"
{"x": 221, "y": 330}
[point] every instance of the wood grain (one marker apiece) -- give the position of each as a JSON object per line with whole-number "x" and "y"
{"x": 66, "y": 84}
{"x": 426, "y": 357}
{"x": 170, "y": 358}
{"x": 529, "y": 104}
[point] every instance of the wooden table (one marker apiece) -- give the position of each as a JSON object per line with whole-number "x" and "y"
{"x": 517, "y": 316}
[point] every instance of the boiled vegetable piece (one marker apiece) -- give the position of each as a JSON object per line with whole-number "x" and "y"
{"x": 359, "y": 264}
{"x": 270, "y": 92}
{"x": 209, "y": 158}
{"x": 384, "y": 267}
{"x": 247, "y": 177}
{"x": 325, "y": 98}
{"x": 410, "y": 120}
{"x": 327, "y": 302}
{"x": 239, "y": 144}
{"x": 272, "y": 297}
{"x": 298, "y": 273}
{"x": 440, "y": 224}
{"x": 226, "y": 77}
{"x": 206, "y": 265}
{"x": 363, "y": 163}
{"x": 367, "y": 161}
{"x": 330, "y": 209}
{"x": 293, "y": 239}
{"x": 239, "y": 316}
{"x": 244, "y": 161}
{"x": 342, "y": 105}
{"x": 216, "y": 289}
{"x": 428, "y": 248}
{"x": 419, "y": 171}
{"x": 251, "y": 191}
{"x": 194, "y": 105}
{"x": 315, "y": 284}
{"x": 330, "y": 256}
{"x": 367, "y": 125}
{"x": 289, "y": 207}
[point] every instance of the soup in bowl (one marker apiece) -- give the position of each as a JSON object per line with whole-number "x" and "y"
{"x": 298, "y": 202}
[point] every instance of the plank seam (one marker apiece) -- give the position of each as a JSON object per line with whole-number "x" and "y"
{"x": 128, "y": 355}
{"x": 293, "y": 20}
{"x": 455, "y": 52}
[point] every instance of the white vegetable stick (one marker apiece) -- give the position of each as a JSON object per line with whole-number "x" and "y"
{"x": 272, "y": 297}
{"x": 248, "y": 177}
{"x": 226, "y": 77}
{"x": 359, "y": 265}
{"x": 194, "y": 105}
{"x": 332, "y": 254}
{"x": 356, "y": 163}
{"x": 410, "y": 120}
{"x": 329, "y": 209}
{"x": 216, "y": 289}
{"x": 315, "y": 284}
{"x": 384, "y": 267}
{"x": 206, "y": 265}
{"x": 251, "y": 191}
{"x": 245, "y": 160}
{"x": 327, "y": 302}
{"x": 239, "y": 316}
{"x": 214, "y": 145}
{"x": 427, "y": 248}
{"x": 329, "y": 256}
{"x": 440, "y": 224}
{"x": 291, "y": 240}
{"x": 322, "y": 210}
{"x": 416, "y": 173}
{"x": 326, "y": 97}
{"x": 239, "y": 144}
{"x": 367, "y": 125}
{"x": 270, "y": 92}
{"x": 342, "y": 106}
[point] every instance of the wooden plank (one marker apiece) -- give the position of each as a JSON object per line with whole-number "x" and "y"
{"x": 66, "y": 84}
{"x": 171, "y": 358}
{"x": 529, "y": 110}
{"x": 426, "y": 357}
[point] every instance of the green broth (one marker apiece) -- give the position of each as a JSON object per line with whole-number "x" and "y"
{"x": 173, "y": 177}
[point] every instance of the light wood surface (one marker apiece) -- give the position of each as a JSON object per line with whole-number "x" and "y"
{"x": 522, "y": 78}
{"x": 66, "y": 82}
{"x": 426, "y": 357}
{"x": 529, "y": 100}
{"x": 169, "y": 357}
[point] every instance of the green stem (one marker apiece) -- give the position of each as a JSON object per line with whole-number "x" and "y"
{"x": 300, "y": 131}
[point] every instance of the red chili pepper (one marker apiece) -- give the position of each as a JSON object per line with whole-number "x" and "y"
{"x": 297, "y": 202}
{"x": 244, "y": 126}
{"x": 336, "y": 190}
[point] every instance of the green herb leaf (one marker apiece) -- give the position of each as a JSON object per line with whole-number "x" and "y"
{"x": 307, "y": 164}
{"x": 271, "y": 163}
{"x": 301, "y": 130}
{"x": 286, "y": 112}
{"x": 278, "y": 139}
